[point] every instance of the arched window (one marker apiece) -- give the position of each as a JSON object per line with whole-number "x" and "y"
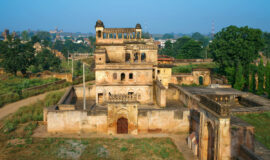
{"x": 201, "y": 80}
{"x": 143, "y": 57}
{"x": 130, "y": 75}
{"x": 122, "y": 76}
{"x": 99, "y": 34}
{"x": 114, "y": 75}
{"x": 136, "y": 57}
{"x": 127, "y": 57}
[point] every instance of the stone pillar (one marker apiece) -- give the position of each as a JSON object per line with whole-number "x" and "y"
{"x": 139, "y": 58}
{"x": 108, "y": 35}
{"x": 140, "y": 35}
{"x": 135, "y": 35}
{"x": 116, "y": 35}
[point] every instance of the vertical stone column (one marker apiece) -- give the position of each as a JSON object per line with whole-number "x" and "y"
{"x": 116, "y": 35}
{"x": 135, "y": 35}
{"x": 140, "y": 35}
{"x": 139, "y": 57}
{"x": 108, "y": 35}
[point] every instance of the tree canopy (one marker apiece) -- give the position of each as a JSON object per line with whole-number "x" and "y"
{"x": 233, "y": 45}
{"x": 184, "y": 47}
{"x": 16, "y": 55}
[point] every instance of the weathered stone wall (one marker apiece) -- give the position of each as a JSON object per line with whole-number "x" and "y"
{"x": 120, "y": 110}
{"x": 145, "y": 93}
{"x": 90, "y": 91}
{"x": 113, "y": 76}
{"x": 163, "y": 121}
{"x": 147, "y": 121}
{"x": 241, "y": 134}
{"x": 164, "y": 75}
{"x": 160, "y": 94}
{"x": 76, "y": 121}
{"x": 192, "y": 78}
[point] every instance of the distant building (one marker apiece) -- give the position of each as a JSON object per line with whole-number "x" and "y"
{"x": 162, "y": 42}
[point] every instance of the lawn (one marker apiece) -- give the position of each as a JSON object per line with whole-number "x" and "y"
{"x": 12, "y": 83}
{"x": 261, "y": 122}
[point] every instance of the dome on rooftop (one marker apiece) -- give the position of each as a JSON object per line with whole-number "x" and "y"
{"x": 138, "y": 26}
{"x": 99, "y": 23}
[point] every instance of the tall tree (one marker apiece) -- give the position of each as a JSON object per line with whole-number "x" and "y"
{"x": 16, "y": 56}
{"x": 267, "y": 78}
{"x": 239, "y": 78}
{"x": 47, "y": 60}
{"x": 232, "y": 45}
{"x": 266, "y": 50}
{"x": 260, "y": 90}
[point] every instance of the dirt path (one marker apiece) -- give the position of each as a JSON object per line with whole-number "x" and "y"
{"x": 13, "y": 107}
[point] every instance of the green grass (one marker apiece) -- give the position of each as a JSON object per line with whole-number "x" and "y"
{"x": 261, "y": 122}
{"x": 31, "y": 113}
{"x": 10, "y": 84}
{"x": 188, "y": 68}
{"x": 92, "y": 149}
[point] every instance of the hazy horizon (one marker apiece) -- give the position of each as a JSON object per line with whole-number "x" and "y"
{"x": 155, "y": 17}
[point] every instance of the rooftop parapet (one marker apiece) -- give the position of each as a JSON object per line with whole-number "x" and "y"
{"x": 123, "y": 98}
{"x": 221, "y": 109}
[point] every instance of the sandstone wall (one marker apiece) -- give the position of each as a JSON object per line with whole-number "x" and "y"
{"x": 160, "y": 94}
{"x": 145, "y": 93}
{"x": 75, "y": 121}
{"x": 163, "y": 121}
{"x": 90, "y": 91}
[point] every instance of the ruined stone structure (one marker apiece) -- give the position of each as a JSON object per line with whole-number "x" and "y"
{"x": 132, "y": 94}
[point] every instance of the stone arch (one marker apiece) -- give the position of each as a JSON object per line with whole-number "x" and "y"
{"x": 123, "y": 76}
{"x": 143, "y": 57}
{"x": 127, "y": 57}
{"x": 99, "y": 34}
{"x": 201, "y": 80}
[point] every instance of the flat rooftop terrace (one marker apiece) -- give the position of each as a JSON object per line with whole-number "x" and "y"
{"x": 212, "y": 91}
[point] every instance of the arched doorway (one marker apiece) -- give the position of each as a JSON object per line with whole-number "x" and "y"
{"x": 122, "y": 126}
{"x": 211, "y": 140}
{"x": 201, "y": 80}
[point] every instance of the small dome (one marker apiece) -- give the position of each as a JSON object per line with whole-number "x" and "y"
{"x": 99, "y": 23}
{"x": 138, "y": 26}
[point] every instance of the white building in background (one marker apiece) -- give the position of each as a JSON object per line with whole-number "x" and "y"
{"x": 162, "y": 42}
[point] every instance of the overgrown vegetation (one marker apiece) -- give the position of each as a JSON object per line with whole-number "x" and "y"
{"x": 188, "y": 68}
{"x": 31, "y": 113}
{"x": 10, "y": 83}
{"x": 260, "y": 121}
{"x": 98, "y": 148}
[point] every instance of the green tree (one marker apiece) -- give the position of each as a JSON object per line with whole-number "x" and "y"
{"x": 252, "y": 79}
{"x": 191, "y": 49}
{"x": 267, "y": 78}
{"x": 260, "y": 90}
{"x": 239, "y": 77}
{"x": 266, "y": 50}
{"x": 199, "y": 37}
{"x": 25, "y": 36}
{"x": 232, "y": 45}
{"x": 47, "y": 60}
{"x": 16, "y": 56}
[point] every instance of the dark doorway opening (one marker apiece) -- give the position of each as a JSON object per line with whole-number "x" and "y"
{"x": 100, "y": 98}
{"x": 122, "y": 126}
{"x": 201, "y": 80}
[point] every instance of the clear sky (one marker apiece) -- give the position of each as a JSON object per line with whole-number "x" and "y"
{"x": 155, "y": 16}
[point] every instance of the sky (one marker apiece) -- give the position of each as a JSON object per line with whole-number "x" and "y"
{"x": 155, "y": 16}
